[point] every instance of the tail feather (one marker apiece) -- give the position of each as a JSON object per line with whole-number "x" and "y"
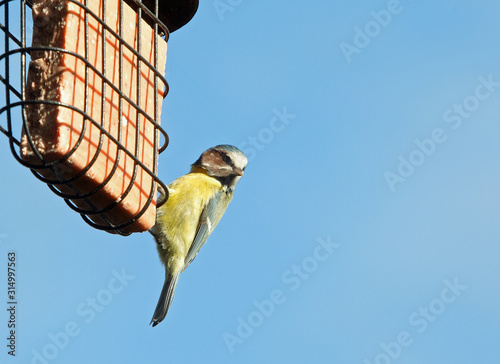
{"x": 166, "y": 297}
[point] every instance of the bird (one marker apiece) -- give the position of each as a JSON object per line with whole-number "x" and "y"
{"x": 194, "y": 206}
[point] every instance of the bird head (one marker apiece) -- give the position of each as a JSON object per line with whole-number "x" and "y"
{"x": 226, "y": 163}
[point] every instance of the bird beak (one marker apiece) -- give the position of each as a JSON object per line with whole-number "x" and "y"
{"x": 238, "y": 172}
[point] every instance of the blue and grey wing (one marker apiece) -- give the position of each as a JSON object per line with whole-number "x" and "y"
{"x": 210, "y": 217}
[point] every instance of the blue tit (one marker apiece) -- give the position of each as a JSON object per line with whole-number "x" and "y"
{"x": 194, "y": 206}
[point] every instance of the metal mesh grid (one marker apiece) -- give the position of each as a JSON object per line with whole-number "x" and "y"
{"x": 14, "y": 58}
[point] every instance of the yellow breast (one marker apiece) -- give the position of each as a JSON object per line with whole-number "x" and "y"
{"x": 177, "y": 219}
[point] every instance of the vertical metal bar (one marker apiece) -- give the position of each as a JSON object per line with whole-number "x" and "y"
{"x": 24, "y": 115}
{"x": 120, "y": 85}
{"x": 156, "y": 111}
{"x": 23, "y": 53}
{"x": 7, "y": 74}
{"x": 138, "y": 100}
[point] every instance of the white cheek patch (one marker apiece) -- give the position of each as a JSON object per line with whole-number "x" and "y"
{"x": 234, "y": 182}
{"x": 240, "y": 161}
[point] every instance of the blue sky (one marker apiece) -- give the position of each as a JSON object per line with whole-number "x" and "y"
{"x": 365, "y": 230}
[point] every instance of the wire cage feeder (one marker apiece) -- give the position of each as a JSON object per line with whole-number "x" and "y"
{"x": 84, "y": 84}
